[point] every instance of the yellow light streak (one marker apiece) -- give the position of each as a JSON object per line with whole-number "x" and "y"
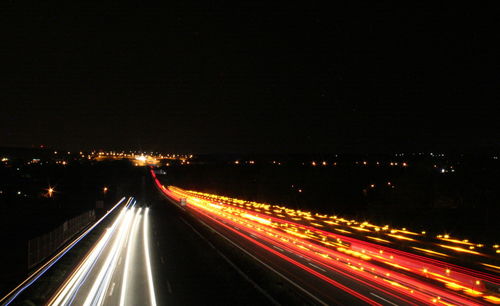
{"x": 358, "y": 228}
{"x": 256, "y": 218}
{"x": 431, "y": 252}
{"x": 378, "y": 239}
{"x": 458, "y": 249}
{"x": 491, "y": 266}
{"x": 395, "y": 265}
{"x": 457, "y": 241}
{"x": 492, "y": 299}
{"x": 401, "y": 237}
{"x": 342, "y": 231}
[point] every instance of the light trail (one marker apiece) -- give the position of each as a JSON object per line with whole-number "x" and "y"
{"x": 126, "y": 269}
{"x": 145, "y": 230}
{"x": 66, "y": 293}
{"x": 103, "y": 272}
{"x": 403, "y": 273}
{"x": 458, "y": 249}
{"x": 7, "y": 299}
{"x": 298, "y": 264}
{"x": 97, "y": 293}
{"x": 380, "y": 279}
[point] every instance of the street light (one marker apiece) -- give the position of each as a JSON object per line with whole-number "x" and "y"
{"x": 105, "y": 190}
{"x": 50, "y": 192}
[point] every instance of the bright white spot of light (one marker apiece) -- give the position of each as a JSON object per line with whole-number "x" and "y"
{"x": 141, "y": 158}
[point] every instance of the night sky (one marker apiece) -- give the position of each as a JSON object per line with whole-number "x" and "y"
{"x": 249, "y": 78}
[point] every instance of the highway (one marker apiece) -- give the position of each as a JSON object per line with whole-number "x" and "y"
{"x": 117, "y": 270}
{"x": 339, "y": 269}
{"x": 142, "y": 256}
{"x": 208, "y": 249}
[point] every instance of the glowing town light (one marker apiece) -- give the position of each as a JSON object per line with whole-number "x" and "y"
{"x": 141, "y": 158}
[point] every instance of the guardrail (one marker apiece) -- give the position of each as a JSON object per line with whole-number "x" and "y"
{"x": 44, "y": 245}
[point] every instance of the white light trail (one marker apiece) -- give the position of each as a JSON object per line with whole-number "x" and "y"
{"x": 148, "y": 260}
{"x": 6, "y": 300}
{"x": 99, "y": 288}
{"x": 78, "y": 276}
{"x": 91, "y": 279}
{"x": 130, "y": 246}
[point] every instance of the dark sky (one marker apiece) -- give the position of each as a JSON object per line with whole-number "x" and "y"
{"x": 249, "y": 77}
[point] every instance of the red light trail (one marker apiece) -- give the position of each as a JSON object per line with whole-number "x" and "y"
{"x": 295, "y": 235}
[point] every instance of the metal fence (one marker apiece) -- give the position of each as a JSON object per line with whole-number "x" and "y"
{"x": 43, "y": 246}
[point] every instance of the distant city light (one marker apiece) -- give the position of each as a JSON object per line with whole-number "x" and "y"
{"x": 141, "y": 158}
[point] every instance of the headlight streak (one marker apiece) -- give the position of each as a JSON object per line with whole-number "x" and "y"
{"x": 66, "y": 294}
{"x": 100, "y": 285}
{"x": 7, "y": 299}
{"x": 145, "y": 231}
{"x": 305, "y": 239}
{"x": 89, "y": 285}
{"x": 131, "y": 241}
